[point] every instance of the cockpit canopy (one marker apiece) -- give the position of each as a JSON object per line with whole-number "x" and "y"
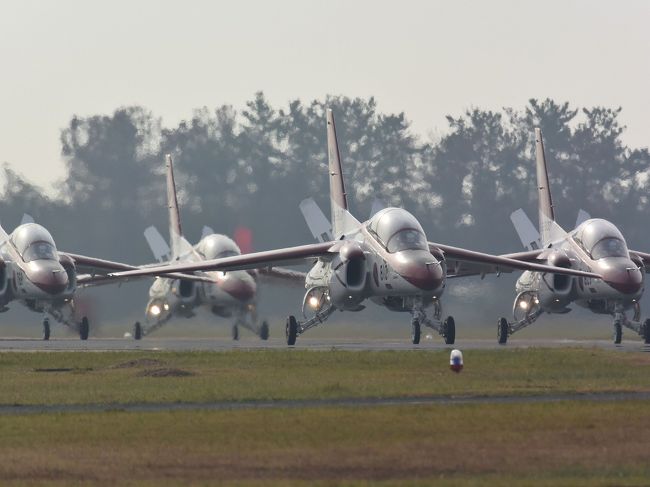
{"x": 217, "y": 246}
{"x": 34, "y": 242}
{"x": 600, "y": 238}
{"x": 398, "y": 230}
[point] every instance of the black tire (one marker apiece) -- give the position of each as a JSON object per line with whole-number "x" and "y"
{"x": 618, "y": 333}
{"x": 415, "y": 331}
{"x": 449, "y": 330}
{"x": 292, "y": 330}
{"x": 84, "y": 328}
{"x": 646, "y": 331}
{"x": 137, "y": 331}
{"x": 235, "y": 332}
{"x": 502, "y": 331}
{"x": 264, "y": 331}
{"x": 46, "y": 329}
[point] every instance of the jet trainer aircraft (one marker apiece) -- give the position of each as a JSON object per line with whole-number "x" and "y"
{"x": 595, "y": 245}
{"x": 386, "y": 259}
{"x": 227, "y": 295}
{"x": 45, "y": 280}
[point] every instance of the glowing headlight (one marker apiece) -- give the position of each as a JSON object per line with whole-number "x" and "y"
{"x": 313, "y": 302}
{"x": 523, "y": 304}
{"x": 154, "y": 310}
{"x": 166, "y": 307}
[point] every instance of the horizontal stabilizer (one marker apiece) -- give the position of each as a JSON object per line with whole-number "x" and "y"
{"x": 159, "y": 248}
{"x": 318, "y": 224}
{"x": 527, "y": 232}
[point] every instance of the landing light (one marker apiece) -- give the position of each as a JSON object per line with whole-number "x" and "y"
{"x": 313, "y": 302}
{"x": 221, "y": 274}
{"x": 166, "y": 307}
{"x": 154, "y": 310}
{"x": 523, "y": 304}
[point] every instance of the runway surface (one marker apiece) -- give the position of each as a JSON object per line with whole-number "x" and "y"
{"x": 222, "y": 344}
{"x": 319, "y": 403}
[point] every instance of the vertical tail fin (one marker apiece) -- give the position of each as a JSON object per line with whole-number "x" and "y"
{"x": 338, "y": 197}
{"x": 175, "y": 231}
{"x": 342, "y": 221}
{"x": 545, "y": 202}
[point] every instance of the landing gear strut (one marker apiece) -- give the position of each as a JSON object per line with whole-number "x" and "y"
{"x": 446, "y": 328}
{"x": 620, "y": 321}
{"x": 526, "y": 303}
{"x": 46, "y": 329}
{"x": 296, "y": 328}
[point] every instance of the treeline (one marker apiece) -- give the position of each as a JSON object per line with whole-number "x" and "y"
{"x": 252, "y": 167}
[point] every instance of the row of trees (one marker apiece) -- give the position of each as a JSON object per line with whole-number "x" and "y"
{"x": 252, "y": 167}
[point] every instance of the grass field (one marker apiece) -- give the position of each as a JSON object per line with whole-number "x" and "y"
{"x": 119, "y": 377}
{"x": 563, "y": 443}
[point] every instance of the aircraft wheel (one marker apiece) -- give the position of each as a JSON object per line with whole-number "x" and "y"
{"x": 502, "y": 331}
{"x": 46, "y": 329}
{"x": 84, "y": 328}
{"x": 415, "y": 331}
{"x": 292, "y": 330}
{"x": 235, "y": 332}
{"x": 264, "y": 331}
{"x": 137, "y": 331}
{"x": 646, "y": 331}
{"x": 618, "y": 332}
{"x": 449, "y": 330}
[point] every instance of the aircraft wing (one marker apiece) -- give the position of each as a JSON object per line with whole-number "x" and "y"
{"x": 644, "y": 256}
{"x": 463, "y": 262}
{"x": 94, "y": 271}
{"x": 255, "y": 260}
{"x": 273, "y": 274}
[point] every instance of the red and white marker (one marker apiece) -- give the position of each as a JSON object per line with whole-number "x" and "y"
{"x": 456, "y": 360}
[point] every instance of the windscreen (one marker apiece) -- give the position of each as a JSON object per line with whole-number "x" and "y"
{"x": 609, "y": 247}
{"x": 40, "y": 251}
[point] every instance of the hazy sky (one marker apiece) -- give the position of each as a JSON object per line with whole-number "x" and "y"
{"x": 429, "y": 59}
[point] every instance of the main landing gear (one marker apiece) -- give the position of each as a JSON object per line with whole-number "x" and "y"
{"x": 84, "y": 328}
{"x": 526, "y": 310}
{"x": 262, "y": 331}
{"x": 46, "y": 328}
{"x": 446, "y": 328}
{"x": 620, "y": 321}
{"x": 295, "y": 328}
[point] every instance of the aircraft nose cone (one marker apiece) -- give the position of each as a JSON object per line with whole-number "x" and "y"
{"x": 625, "y": 277}
{"x": 241, "y": 288}
{"x": 50, "y": 277}
{"x": 421, "y": 269}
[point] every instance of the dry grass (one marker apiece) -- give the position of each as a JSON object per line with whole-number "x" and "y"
{"x": 532, "y": 444}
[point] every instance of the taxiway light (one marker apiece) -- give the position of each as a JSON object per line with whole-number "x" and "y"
{"x": 313, "y": 302}
{"x": 456, "y": 360}
{"x": 523, "y": 304}
{"x": 155, "y": 310}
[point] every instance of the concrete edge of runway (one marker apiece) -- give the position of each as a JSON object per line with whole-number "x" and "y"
{"x": 319, "y": 403}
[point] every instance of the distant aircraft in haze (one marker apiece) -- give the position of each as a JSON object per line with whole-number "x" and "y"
{"x": 596, "y": 246}
{"x": 45, "y": 280}
{"x": 386, "y": 259}
{"x": 228, "y": 295}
